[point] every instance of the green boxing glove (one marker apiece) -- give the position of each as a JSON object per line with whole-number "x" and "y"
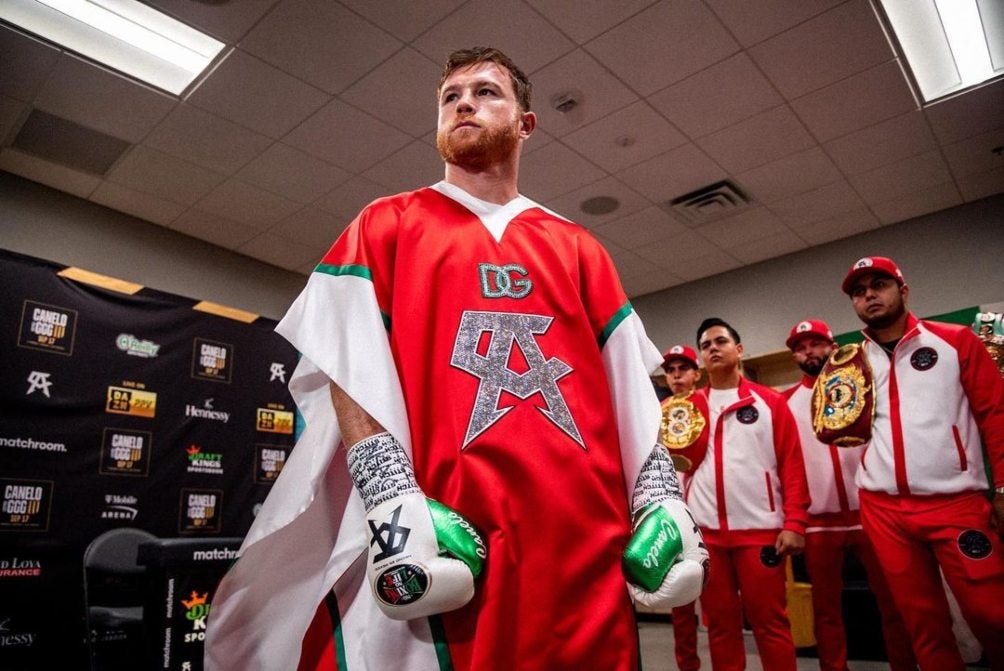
{"x": 423, "y": 556}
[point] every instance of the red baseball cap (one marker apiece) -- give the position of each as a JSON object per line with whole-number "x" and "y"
{"x": 808, "y": 327}
{"x": 872, "y": 264}
{"x": 680, "y": 352}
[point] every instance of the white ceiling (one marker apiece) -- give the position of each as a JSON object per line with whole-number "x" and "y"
{"x": 322, "y": 106}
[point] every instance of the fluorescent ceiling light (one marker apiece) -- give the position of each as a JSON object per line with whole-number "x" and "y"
{"x": 949, "y": 44}
{"x": 123, "y": 34}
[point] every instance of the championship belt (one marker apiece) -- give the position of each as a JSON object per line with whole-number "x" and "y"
{"x": 681, "y": 426}
{"x": 843, "y": 399}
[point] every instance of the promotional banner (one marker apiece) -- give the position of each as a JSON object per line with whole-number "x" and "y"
{"x": 121, "y": 406}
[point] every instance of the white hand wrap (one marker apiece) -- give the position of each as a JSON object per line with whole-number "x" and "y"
{"x": 666, "y": 560}
{"x": 410, "y": 575}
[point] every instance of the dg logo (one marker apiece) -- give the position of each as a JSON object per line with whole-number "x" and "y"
{"x": 508, "y": 281}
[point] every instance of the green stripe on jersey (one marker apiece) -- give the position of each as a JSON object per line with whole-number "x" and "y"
{"x": 336, "y": 620}
{"x": 439, "y": 640}
{"x": 614, "y": 322}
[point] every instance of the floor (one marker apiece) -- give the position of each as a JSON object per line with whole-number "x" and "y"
{"x": 657, "y": 652}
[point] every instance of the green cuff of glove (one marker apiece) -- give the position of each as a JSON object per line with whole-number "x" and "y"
{"x": 653, "y": 549}
{"x": 457, "y": 537}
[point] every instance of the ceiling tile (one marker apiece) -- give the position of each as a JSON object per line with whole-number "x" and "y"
{"x": 909, "y": 175}
{"x": 628, "y": 136}
{"x": 404, "y": 19}
{"x": 311, "y": 227}
{"x": 320, "y": 42}
{"x": 976, "y": 154}
{"x": 159, "y": 174}
{"x": 569, "y": 205}
{"x": 292, "y": 173}
{"x": 346, "y": 200}
{"x": 26, "y": 63}
{"x": 254, "y": 94}
{"x": 647, "y": 226}
{"x": 767, "y": 248}
{"x": 838, "y": 227}
{"x": 212, "y": 228}
{"x": 856, "y": 102}
{"x": 554, "y": 170}
{"x": 228, "y": 22}
{"x": 137, "y": 203}
{"x": 969, "y": 114}
{"x": 692, "y": 266}
{"x": 882, "y": 143}
{"x": 401, "y": 91}
{"x": 12, "y": 115}
{"x": 753, "y": 21}
{"x": 981, "y": 185}
{"x": 818, "y": 204}
{"x": 917, "y": 203}
{"x": 247, "y": 204}
{"x": 347, "y": 137}
{"x": 629, "y": 264}
{"x": 51, "y": 174}
{"x": 100, "y": 99}
{"x": 745, "y": 228}
{"x": 279, "y": 251}
{"x": 597, "y": 91}
{"x": 206, "y": 140}
{"x": 640, "y": 285}
{"x": 789, "y": 176}
{"x": 672, "y": 174}
{"x": 757, "y": 140}
{"x": 509, "y": 25}
{"x": 540, "y": 138}
{"x": 832, "y": 46}
{"x": 663, "y": 44}
{"x": 590, "y": 18}
{"x": 411, "y": 168}
{"x": 716, "y": 97}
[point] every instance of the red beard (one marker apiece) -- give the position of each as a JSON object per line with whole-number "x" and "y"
{"x": 490, "y": 146}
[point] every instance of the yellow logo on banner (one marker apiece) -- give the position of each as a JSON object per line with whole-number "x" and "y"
{"x": 275, "y": 421}
{"x": 134, "y": 402}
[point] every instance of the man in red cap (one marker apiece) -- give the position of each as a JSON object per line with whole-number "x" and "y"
{"x": 834, "y": 520}
{"x": 682, "y": 374}
{"x": 923, "y": 478}
{"x": 749, "y": 496}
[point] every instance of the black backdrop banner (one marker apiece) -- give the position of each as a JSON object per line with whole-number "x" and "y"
{"x": 121, "y": 409}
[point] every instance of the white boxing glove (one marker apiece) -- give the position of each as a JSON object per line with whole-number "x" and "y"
{"x": 666, "y": 560}
{"x": 423, "y": 557}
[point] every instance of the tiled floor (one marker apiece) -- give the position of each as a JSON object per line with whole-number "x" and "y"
{"x": 657, "y": 652}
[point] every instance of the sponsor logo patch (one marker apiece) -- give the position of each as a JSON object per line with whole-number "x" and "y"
{"x": 402, "y": 584}
{"x": 120, "y": 507}
{"x": 975, "y": 544}
{"x": 38, "y": 381}
{"x": 275, "y": 419}
{"x": 747, "y": 414}
{"x": 199, "y": 461}
{"x": 212, "y": 360}
{"x": 20, "y": 567}
{"x": 924, "y": 359}
{"x": 26, "y": 504}
{"x": 126, "y": 452}
{"x": 196, "y": 610}
{"x": 47, "y": 327}
{"x": 278, "y": 372}
{"x": 131, "y": 399}
{"x": 269, "y": 460}
{"x": 201, "y": 510}
{"x": 133, "y": 346}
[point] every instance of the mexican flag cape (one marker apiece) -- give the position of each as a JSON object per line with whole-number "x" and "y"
{"x": 497, "y": 345}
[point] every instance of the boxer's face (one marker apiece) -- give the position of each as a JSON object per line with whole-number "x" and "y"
{"x": 681, "y": 376}
{"x": 878, "y": 299}
{"x": 719, "y": 352}
{"x": 811, "y": 352}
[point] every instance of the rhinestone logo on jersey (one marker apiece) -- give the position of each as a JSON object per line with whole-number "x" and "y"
{"x": 504, "y": 281}
{"x": 506, "y": 331}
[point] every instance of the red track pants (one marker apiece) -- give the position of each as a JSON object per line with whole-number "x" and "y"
{"x": 824, "y": 559}
{"x": 912, "y": 536}
{"x": 736, "y": 570}
{"x": 685, "y": 637}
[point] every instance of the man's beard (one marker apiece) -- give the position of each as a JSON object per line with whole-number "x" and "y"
{"x": 812, "y": 367}
{"x": 491, "y": 146}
